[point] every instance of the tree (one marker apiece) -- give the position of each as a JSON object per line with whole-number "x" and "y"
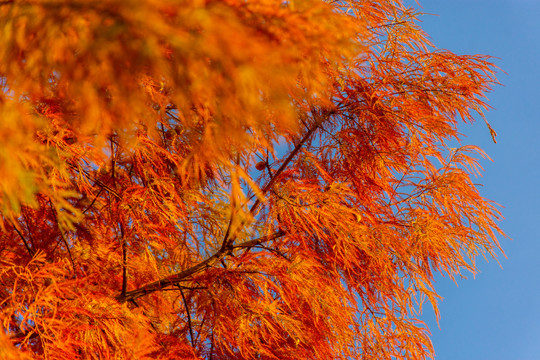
{"x": 231, "y": 179}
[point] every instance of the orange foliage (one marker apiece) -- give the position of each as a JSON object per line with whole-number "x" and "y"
{"x": 231, "y": 179}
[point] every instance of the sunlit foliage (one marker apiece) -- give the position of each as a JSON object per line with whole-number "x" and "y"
{"x": 231, "y": 179}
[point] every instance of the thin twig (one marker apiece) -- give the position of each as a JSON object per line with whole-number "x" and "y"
{"x": 201, "y": 327}
{"x": 93, "y": 201}
{"x": 192, "y": 338}
{"x": 97, "y": 181}
{"x": 24, "y": 241}
{"x": 286, "y": 163}
{"x": 27, "y": 223}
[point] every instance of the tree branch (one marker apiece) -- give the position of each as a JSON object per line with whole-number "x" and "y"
{"x": 287, "y": 161}
{"x": 96, "y": 181}
{"x": 174, "y": 279}
{"x": 30, "y": 251}
{"x": 319, "y": 119}
{"x": 192, "y": 338}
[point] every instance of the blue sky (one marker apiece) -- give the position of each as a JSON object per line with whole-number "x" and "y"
{"x": 497, "y": 315}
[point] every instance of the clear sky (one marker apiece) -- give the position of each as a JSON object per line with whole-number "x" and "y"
{"x": 497, "y": 315}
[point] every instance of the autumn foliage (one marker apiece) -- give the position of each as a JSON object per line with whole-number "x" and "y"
{"x": 231, "y": 179}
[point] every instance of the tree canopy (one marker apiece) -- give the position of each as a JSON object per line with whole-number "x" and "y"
{"x": 232, "y": 179}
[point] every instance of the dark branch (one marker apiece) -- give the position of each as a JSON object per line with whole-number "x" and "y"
{"x": 175, "y": 279}
{"x": 30, "y": 251}
{"x": 96, "y": 181}
{"x": 188, "y": 317}
{"x": 227, "y": 240}
{"x": 287, "y": 161}
{"x": 93, "y": 201}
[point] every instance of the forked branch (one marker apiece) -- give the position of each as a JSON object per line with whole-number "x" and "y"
{"x": 175, "y": 279}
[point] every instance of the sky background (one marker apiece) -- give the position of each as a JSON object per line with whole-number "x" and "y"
{"x": 496, "y": 316}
